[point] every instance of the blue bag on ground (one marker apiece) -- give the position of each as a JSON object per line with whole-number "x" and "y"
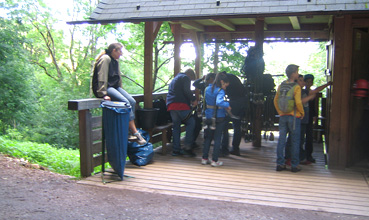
{"x": 140, "y": 155}
{"x": 115, "y": 124}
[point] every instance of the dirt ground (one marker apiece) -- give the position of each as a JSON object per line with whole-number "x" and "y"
{"x": 30, "y": 193}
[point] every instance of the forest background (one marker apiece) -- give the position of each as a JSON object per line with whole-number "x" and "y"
{"x": 44, "y": 63}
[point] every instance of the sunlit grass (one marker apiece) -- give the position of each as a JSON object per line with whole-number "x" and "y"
{"x": 64, "y": 161}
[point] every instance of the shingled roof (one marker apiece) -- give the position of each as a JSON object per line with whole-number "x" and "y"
{"x": 170, "y": 10}
{"x": 234, "y": 20}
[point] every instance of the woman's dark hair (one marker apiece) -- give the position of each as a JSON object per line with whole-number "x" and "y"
{"x": 209, "y": 76}
{"x": 109, "y": 50}
{"x": 217, "y": 82}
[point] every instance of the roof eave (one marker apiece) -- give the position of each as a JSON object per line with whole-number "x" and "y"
{"x": 147, "y": 19}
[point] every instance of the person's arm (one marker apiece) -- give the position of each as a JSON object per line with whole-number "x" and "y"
{"x": 320, "y": 88}
{"x": 308, "y": 98}
{"x": 298, "y": 102}
{"x": 199, "y": 84}
{"x": 220, "y": 100}
{"x": 276, "y": 102}
{"x": 103, "y": 76}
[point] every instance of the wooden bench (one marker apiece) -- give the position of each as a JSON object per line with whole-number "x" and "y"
{"x": 90, "y": 132}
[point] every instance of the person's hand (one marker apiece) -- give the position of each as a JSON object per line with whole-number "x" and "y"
{"x": 329, "y": 83}
{"x": 107, "y": 98}
{"x": 228, "y": 109}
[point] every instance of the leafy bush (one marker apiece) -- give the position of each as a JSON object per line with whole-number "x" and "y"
{"x": 64, "y": 161}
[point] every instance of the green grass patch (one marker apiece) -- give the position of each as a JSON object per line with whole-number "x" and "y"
{"x": 64, "y": 161}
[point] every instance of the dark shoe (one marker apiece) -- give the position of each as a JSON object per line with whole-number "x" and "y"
{"x": 189, "y": 153}
{"x": 195, "y": 146}
{"x": 305, "y": 162}
{"x": 281, "y": 167}
{"x": 288, "y": 162}
{"x": 224, "y": 154}
{"x": 295, "y": 169}
{"x": 177, "y": 153}
{"x": 235, "y": 152}
{"x": 311, "y": 159}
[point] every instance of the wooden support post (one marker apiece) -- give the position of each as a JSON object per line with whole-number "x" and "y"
{"x": 148, "y": 59}
{"x": 258, "y": 106}
{"x": 339, "y": 146}
{"x": 259, "y": 33}
{"x": 216, "y": 58}
{"x": 85, "y": 142}
{"x": 195, "y": 36}
{"x": 177, "y": 48}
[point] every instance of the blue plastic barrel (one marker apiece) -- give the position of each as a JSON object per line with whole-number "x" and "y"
{"x": 115, "y": 125}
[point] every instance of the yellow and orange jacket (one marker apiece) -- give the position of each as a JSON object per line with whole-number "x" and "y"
{"x": 299, "y": 108}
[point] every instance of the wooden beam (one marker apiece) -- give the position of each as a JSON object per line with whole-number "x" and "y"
{"x": 176, "y": 29}
{"x": 192, "y": 25}
{"x": 156, "y": 27}
{"x": 251, "y": 20}
{"x": 224, "y": 23}
{"x": 295, "y": 22}
{"x": 195, "y": 37}
{"x": 148, "y": 65}
{"x": 360, "y": 22}
{"x": 259, "y": 33}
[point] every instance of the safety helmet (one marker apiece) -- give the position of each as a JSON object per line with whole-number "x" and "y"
{"x": 361, "y": 87}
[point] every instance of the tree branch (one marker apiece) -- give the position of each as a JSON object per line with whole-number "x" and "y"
{"x": 130, "y": 79}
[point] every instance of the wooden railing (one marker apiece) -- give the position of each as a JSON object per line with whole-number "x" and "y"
{"x": 90, "y": 131}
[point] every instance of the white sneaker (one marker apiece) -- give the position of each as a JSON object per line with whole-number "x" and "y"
{"x": 204, "y": 161}
{"x": 140, "y": 139}
{"x": 132, "y": 138}
{"x": 216, "y": 164}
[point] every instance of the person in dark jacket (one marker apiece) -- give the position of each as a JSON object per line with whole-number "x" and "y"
{"x": 236, "y": 94}
{"x": 180, "y": 101}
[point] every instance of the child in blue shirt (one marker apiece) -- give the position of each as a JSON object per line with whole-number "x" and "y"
{"x": 215, "y": 111}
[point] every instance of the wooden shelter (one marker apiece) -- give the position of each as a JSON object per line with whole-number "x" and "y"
{"x": 342, "y": 23}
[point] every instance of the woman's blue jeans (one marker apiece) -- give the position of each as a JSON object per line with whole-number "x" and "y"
{"x": 289, "y": 123}
{"x": 177, "y": 117}
{"x": 217, "y": 136}
{"x": 121, "y": 95}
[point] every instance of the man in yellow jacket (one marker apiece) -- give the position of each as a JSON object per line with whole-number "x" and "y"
{"x": 289, "y": 107}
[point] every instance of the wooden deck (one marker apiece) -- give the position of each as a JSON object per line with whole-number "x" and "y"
{"x": 250, "y": 178}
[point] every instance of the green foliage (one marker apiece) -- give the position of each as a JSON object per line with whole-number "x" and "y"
{"x": 231, "y": 57}
{"x": 132, "y": 65}
{"x": 18, "y": 94}
{"x": 64, "y": 161}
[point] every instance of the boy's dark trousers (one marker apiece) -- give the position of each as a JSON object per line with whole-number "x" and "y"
{"x": 309, "y": 141}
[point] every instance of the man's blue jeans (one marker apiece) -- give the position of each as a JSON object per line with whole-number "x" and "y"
{"x": 302, "y": 142}
{"x": 289, "y": 123}
{"x": 177, "y": 117}
{"x": 217, "y": 136}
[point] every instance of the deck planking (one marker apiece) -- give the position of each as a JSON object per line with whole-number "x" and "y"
{"x": 250, "y": 178}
